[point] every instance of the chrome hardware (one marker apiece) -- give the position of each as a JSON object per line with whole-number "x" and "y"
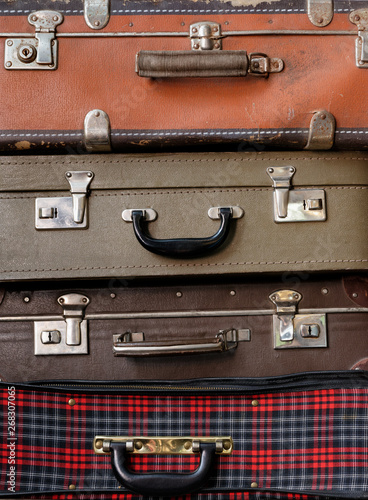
{"x": 148, "y": 213}
{"x": 320, "y": 12}
{"x": 292, "y": 330}
{"x": 214, "y": 212}
{"x": 96, "y": 13}
{"x": 73, "y": 305}
{"x": 66, "y": 212}
{"x": 127, "y": 344}
{"x": 321, "y": 131}
{"x": 360, "y": 19}
{"x": 177, "y": 445}
{"x": 295, "y": 205}
{"x": 51, "y": 337}
{"x": 97, "y": 131}
{"x": 205, "y": 36}
{"x": 39, "y": 52}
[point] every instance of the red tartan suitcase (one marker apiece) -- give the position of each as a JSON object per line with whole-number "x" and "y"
{"x": 128, "y": 330}
{"x": 100, "y": 75}
{"x": 197, "y": 439}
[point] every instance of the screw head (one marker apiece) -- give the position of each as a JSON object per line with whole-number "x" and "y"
{"x": 97, "y": 23}
{"x": 68, "y": 174}
{"x": 26, "y": 299}
{"x": 10, "y": 43}
{"x": 8, "y": 64}
{"x": 97, "y": 114}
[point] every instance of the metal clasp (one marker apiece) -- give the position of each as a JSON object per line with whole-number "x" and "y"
{"x": 39, "y": 52}
{"x": 205, "y": 36}
{"x": 320, "y": 12}
{"x": 360, "y": 18}
{"x": 262, "y": 65}
{"x": 64, "y": 212}
{"x": 292, "y": 330}
{"x": 68, "y": 336}
{"x": 295, "y": 205}
{"x": 96, "y": 13}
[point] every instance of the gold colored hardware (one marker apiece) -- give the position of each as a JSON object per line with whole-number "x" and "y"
{"x": 71, "y": 402}
{"x": 255, "y": 402}
{"x": 254, "y": 485}
{"x": 72, "y": 486}
{"x": 163, "y": 445}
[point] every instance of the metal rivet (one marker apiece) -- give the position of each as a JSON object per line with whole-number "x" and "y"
{"x": 71, "y": 402}
{"x": 10, "y": 43}
{"x": 138, "y": 445}
{"x": 255, "y": 402}
{"x": 61, "y": 301}
{"x": 130, "y": 24}
{"x": 183, "y": 23}
{"x": 97, "y": 23}
{"x": 26, "y": 299}
{"x": 232, "y": 292}
{"x": 51, "y": 65}
{"x": 320, "y": 20}
{"x": 196, "y": 46}
{"x": 113, "y": 295}
{"x": 179, "y": 294}
{"x": 227, "y": 445}
{"x": 256, "y": 64}
{"x": 276, "y": 65}
{"x": 8, "y": 64}
{"x": 226, "y": 22}
{"x": 194, "y": 30}
{"x": 355, "y": 295}
{"x": 34, "y": 18}
{"x": 270, "y": 170}
{"x": 273, "y": 297}
{"x": 55, "y": 18}
{"x": 361, "y": 63}
{"x": 187, "y": 445}
{"x": 72, "y": 486}
{"x": 97, "y": 113}
{"x": 99, "y": 444}
{"x": 215, "y": 29}
{"x": 89, "y": 174}
{"x": 295, "y": 295}
{"x": 84, "y": 300}
{"x": 324, "y": 291}
{"x": 356, "y": 18}
{"x": 322, "y": 116}
{"x": 216, "y": 46}
{"x": 291, "y": 169}
{"x": 254, "y": 485}
{"x": 68, "y": 174}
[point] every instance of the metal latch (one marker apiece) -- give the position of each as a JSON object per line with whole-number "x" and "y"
{"x": 97, "y": 13}
{"x": 295, "y": 205}
{"x": 66, "y": 212}
{"x": 320, "y": 12}
{"x": 178, "y": 445}
{"x": 205, "y": 36}
{"x": 97, "y": 131}
{"x": 292, "y": 330}
{"x": 39, "y": 52}
{"x": 68, "y": 336}
{"x": 360, "y": 18}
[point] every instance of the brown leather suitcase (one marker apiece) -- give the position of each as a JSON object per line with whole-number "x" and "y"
{"x": 117, "y": 75}
{"x": 124, "y": 330}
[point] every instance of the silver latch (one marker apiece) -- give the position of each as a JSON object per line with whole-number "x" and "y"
{"x": 295, "y": 205}
{"x": 320, "y": 12}
{"x": 67, "y": 336}
{"x": 292, "y": 330}
{"x": 97, "y": 13}
{"x": 205, "y": 36}
{"x": 66, "y": 212}
{"x": 360, "y": 18}
{"x": 39, "y": 52}
{"x": 321, "y": 131}
{"x": 97, "y": 131}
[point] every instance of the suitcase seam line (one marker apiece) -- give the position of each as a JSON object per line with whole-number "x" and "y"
{"x": 188, "y": 265}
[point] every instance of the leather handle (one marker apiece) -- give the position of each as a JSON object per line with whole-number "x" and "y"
{"x": 134, "y": 344}
{"x": 184, "y": 64}
{"x": 162, "y": 484}
{"x": 182, "y": 247}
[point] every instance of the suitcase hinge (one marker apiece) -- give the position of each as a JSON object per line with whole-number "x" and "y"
{"x": 39, "y": 52}
{"x": 96, "y": 13}
{"x": 360, "y": 18}
{"x": 64, "y": 337}
{"x": 66, "y": 212}
{"x": 295, "y": 205}
{"x": 320, "y": 12}
{"x": 292, "y": 330}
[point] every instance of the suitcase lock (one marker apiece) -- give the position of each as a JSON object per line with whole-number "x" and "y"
{"x": 292, "y": 330}
{"x": 39, "y": 52}
{"x": 360, "y": 18}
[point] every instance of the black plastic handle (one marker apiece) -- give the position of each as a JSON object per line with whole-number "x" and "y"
{"x": 162, "y": 484}
{"x": 182, "y": 247}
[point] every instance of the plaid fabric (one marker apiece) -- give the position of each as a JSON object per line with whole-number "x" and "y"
{"x": 302, "y": 441}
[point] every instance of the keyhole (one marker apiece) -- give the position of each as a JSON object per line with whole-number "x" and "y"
{"x": 50, "y": 337}
{"x": 25, "y": 52}
{"x": 309, "y": 330}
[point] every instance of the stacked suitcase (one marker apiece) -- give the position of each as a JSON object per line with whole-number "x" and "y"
{"x": 184, "y": 287}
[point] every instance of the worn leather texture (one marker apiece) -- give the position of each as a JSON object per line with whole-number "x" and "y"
{"x": 346, "y": 331}
{"x": 186, "y": 186}
{"x": 100, "y": 73}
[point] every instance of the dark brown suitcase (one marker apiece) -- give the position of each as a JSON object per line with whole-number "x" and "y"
{"x": 251, "y": 328}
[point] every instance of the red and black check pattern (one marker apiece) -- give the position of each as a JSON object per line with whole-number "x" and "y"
{"x": 310, "y": 441}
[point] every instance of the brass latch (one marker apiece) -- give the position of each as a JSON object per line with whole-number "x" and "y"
{"x": 163, "y": 445}
{"x": 39, "y": 52}
{"x": 66, "y": 212}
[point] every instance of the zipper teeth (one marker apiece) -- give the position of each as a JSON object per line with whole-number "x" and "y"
{"x": 160, "y": 387}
